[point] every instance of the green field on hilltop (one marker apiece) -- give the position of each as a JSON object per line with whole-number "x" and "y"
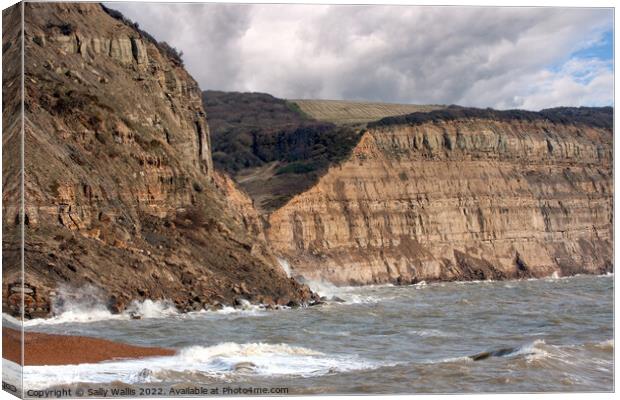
{"x": 357, "y": 112}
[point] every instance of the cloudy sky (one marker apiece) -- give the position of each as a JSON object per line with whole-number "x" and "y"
{"x": 528, "y": 58}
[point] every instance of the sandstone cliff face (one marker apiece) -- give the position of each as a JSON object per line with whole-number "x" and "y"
{"x": 119, "y": 184}
{"x": 102, "y": 89}
{"x": 467, "y": 198}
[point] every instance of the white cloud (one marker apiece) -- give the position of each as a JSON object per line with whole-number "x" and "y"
{"x": 474, "y": 56}
{"x": 579, "y": 81}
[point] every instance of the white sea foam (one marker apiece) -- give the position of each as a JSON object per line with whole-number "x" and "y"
{"x": 86, "y": 305}
{"x": 246, "y": 309}
{"x": 473, "y": 281}
{"x": 367, "y": 294}
{"x": 146, "y": 309}
{"x": 429, "y": 333}
{"x": 353, "y": 298}
{"x": 67, "y": 317}
{"x": 606, "y": 344}
{"x": 216, "y": 361}
{"x": 350, "y": 294}
{"x": 462, "y": 359}
{"x": 532, "y": 351}
{"x": 420, "y": 285}
{"x": 285, "y": 266}
{"x": 79, "y": 315}
{"x": 323, "y": 288}
{"x": 152, "y": 309}
{"x": 93, "y": 312}
{"x": 12, "y": 374}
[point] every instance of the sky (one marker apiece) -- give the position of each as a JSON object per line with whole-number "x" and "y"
{"x": 529, "y": 58}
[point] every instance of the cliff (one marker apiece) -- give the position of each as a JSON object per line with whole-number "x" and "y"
{"x": 11, "y": 134}
{"x": 120, "y": 191}
{"x": 459, "y": 194}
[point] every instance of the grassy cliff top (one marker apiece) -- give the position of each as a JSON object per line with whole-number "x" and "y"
{"x": 599, "y": 117}
{"x": 343, "y": 112}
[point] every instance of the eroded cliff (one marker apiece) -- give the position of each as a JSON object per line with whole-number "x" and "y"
{"x": 459, "y": 194}
{"x": 119, "y": 186}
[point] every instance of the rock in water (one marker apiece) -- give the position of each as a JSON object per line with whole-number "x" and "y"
{"x": 495, "y": 353}
{"x": 244, "y": 366}
{"x": 135, "y": 315}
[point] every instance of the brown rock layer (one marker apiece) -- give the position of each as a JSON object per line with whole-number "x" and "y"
{"x": 469, "y": 198}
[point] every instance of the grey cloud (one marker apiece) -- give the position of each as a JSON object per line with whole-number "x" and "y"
{"x": 207, "y": 34}
{"x": 498, "y": 57}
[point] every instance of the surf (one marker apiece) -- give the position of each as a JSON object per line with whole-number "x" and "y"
{"x": 222, "y": 360}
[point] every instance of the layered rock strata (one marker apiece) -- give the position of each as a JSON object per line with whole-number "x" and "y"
{"x": 475, "y": 195}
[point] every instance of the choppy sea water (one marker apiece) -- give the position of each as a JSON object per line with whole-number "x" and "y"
{"x": 547, "y": 334}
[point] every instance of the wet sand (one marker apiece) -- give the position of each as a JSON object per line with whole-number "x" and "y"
{"x": 47, "y": 349}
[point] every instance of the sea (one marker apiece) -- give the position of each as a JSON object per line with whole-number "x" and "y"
{"x": 540, "y": 335}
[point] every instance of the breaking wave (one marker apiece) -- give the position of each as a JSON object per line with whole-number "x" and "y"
{"x": 224, "y": 360}
{"x": 88, "y": 313}
{"x": 147, "y": 309}
{"x": 605, "y": 345}
{"x": 85, "y": 305}
{"x": 529, "y": 351}
{"x": 535, "y": 351}
{"x": 323, "y": 288}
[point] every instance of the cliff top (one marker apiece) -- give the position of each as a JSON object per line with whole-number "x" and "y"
{"x": 599, "y": 117}
{"x": 357, "y": 112}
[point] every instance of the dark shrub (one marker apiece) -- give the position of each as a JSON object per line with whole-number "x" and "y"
{"x": 601, "y": 117}
{"x": 251, "y": 129}
{"x": 65, "y": 28}
{"x": 71, "y": 101}
{"x": 296, "y": 168}
{"x": 169, "y": 51}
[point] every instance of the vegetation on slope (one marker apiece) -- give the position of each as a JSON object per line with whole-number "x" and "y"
{"x": 600, "y": 117}
{"x": 288, "y": 149}
{"x": 169, "y": 51}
